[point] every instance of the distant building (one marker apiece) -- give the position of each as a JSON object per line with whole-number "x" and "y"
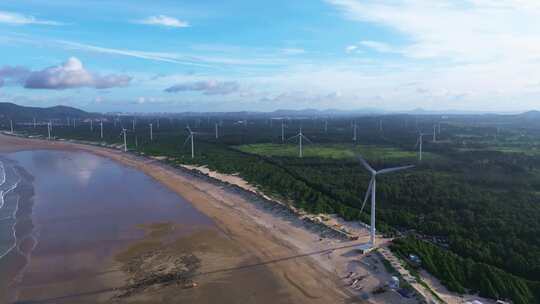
{"x": 394, "y": 283}
{"x": 364, "y": 248}
{"x": 415, "y": 260}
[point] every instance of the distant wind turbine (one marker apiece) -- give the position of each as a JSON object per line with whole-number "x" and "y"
{"x": 124, "y": 131}
{"x": 301, "y": 137}
{"x": 191, "y": 138}
{"x": 151, "y": 133}
{"x": 371, "y": 191}
{"x": 419, "y": 144}
{"x": 11, "y": 125}
{"x": 355, "y": 127}
{"x": 49, "y": 129}
{"x": 216, "y": 126}
{"x": 34, "y": 122}
{"x": 101, "y": 128}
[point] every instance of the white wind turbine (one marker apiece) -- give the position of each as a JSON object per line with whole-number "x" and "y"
{"x": 191, "y": 137}
{"x": 301, "y": 137}
{"x": 355, "y": 128}
{"x": 420, "y": 143}
{"x": 49, "y": 129}
{"x": 216, "y": 130}
{"x": 11, "y": 125}
{"x": 151, "y": 133}
{"x": 371, "y": 191}
{"x": 101, "y": 128}
{"x": 124, "y": 131}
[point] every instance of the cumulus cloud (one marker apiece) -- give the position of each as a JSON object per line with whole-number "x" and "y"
{"x": 18, "y": 19}
{"x": 209, "y": 87}
{"x": 164, "y": 20}
{"x": 72, "y": 74}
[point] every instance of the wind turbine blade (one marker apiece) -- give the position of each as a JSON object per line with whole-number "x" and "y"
{"x": 293, "y": 137}
{"x": 388, "y": 170}
{"x": 366, "y": 165}
{"x": 368, "y": 193}
{"x": 307, "y": 139}
{"x": 417, "y": 142}
{"x": 189, "y": 129}
{"x": 187, "y": 139}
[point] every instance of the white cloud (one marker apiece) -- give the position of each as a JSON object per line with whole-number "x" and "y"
{"x": 293, "y": 51}
{"x": 351, "y": 48}
{"x": 72, "y": 74}
{"x": 18, "y": 19}
{"x": 378, "y": 46}
{"x": 164, "y": 20}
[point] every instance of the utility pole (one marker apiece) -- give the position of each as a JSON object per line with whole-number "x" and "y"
{"x": 282, "y": 132}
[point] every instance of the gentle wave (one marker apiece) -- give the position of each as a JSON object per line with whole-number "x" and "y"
{"x": 13, "y": 215}
{"x": 3, "y": 180}
{"x": 4, "y": 193}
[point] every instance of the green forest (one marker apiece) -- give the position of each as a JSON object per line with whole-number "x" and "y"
{"x": 470, "y": 209}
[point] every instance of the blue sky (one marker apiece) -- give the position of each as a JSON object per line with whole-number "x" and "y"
{"x": 157, "y": 56}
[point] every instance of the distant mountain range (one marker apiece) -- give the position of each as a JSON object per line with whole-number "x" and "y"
{"x": 16, "y": 112}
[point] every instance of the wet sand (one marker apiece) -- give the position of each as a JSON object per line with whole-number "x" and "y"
{"x": 246, "y": 261}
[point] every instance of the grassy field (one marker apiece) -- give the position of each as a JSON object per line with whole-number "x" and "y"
{"x": 336, "y": 151}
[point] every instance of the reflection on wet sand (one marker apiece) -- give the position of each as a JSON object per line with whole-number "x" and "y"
{"x": 105, "y": 231}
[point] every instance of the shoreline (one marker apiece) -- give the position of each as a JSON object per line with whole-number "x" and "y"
{"x": 313, "y": 267}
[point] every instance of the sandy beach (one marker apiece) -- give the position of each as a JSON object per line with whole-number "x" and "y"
{"x": 309, "y": 268}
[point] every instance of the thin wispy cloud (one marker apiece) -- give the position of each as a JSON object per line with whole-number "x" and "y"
{"x": 163, "y": 20}
{"x": 154, "y": 56}
{"x": 209, "y": 87}
{"x": 12, "y": 18}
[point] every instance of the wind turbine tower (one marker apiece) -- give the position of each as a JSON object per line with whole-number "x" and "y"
{"x": 49, "y": 129}
{"x": 191, "y": 138}
{"x": 101, "y": 128}
{"x": 355, "y": 127}
{"x": 371, "y": 191}
{"x": 11, "y": 125}
{"x": 125, "y": 139}
{"x": 34, "y": 122}
{"x": 217, "y": 130}
{"x": 151, "y": 133}
{"x": 420, "y": 143}
{"x": 301, "y": 137}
